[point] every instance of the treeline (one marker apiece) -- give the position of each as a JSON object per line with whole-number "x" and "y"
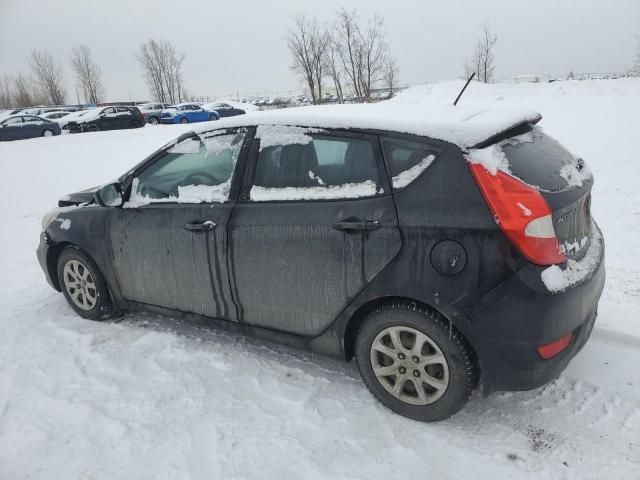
{"x": 44, "y": 83}
{"x": 354, "y": 56}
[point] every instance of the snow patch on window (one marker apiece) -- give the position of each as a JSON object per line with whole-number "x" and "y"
{"x": 315, "y": 177}
{"x": 557, "y": 280}
{"x": 348, "y": 190}
{"x": 186, "y": 194}
{"x": 406, "y": 177}
{"x": 281, "y": 135}
{"x": 492, "y": 158}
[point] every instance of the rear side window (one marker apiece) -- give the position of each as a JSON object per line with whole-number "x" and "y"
{"x": 298, "y": 164}
{"x": 407, "y": 160}
{"x": 539, "y": 160}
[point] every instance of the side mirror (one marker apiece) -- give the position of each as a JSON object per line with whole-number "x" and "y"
{"x": 110, "y": 196}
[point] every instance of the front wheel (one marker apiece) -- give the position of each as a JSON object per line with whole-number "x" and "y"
{"x": 153, "y": 121}
{"x": 415, "y": 362}
{"x": 83, "y": 285}
{"x": 212, "y": 117}
{"x": 184, "y": 120}
{"x": 47, "y": 133}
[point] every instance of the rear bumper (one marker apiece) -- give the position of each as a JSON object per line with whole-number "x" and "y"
{"x": 511, "y": 321}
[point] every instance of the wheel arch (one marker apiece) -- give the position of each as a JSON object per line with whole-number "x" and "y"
{"x": 52, "y": 261}
{"x": 356, "y": 319}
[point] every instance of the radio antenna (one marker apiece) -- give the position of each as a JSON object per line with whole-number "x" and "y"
{"x": 464, "y": 88}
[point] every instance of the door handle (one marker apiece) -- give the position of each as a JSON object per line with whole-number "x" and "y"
{"x": 356, "y": 224}
{"x": 200, "y": 227}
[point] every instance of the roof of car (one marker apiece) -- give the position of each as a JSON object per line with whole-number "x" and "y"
{"x": 464, "y": 126}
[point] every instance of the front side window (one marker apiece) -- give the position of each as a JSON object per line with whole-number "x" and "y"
{"x": 407, "y": 160}
{"x": 197, "y": 170}
{"x": 301, "y": 164}
{"x": 12, "y": 122}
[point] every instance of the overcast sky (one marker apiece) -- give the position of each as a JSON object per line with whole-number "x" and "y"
{"x": 237, "y": 46}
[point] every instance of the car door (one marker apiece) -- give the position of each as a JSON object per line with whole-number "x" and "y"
{"x": 106, "y": 120}
{"x": 169, "y": 241}
{"x": 31, "y": 127}
{"x": 11, "y": 128}
{"x": 314, "y": 225}
{"x": 123, "y": 117}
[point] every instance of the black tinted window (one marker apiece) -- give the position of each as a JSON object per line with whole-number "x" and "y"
{"x": 407, "y": 160}
{"x": 316, "y": 162}
{"x": 539, "y": 160}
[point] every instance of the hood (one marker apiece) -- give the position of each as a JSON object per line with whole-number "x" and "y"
{"x": 83, "y": 196}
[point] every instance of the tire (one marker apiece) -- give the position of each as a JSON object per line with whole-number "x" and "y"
{"x": 48, "y": 132}
{"x": 452, "y": 370}
{"x": 184, "y": 120}
{"x": 154, "y": 121}
{"x": 92, "y": 127}
{"x": 212, "y": 118}
{"x": 96, "y": 303}
{"x": 134, "y": 124}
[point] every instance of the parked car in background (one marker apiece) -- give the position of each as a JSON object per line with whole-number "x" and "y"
{"x": 152, "y": 111}
{"x": 107, "y": 118}
{"x": 416, "y": 253}
{"x": 19, "y": 127}
{"x": 189, "y": 112}
{"x": 223, "y": 109}
{"x": 64, "y": 121}
{"x": 56, "y": 114}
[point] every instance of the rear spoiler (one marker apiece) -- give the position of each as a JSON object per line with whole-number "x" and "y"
{"x": 518, "y": 129}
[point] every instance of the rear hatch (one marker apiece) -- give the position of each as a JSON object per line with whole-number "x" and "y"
{"x": 563, "y": 180}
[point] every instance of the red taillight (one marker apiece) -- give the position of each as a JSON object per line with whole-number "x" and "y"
{"x": 550, "y": 350}
{"x": 521, "y": 213}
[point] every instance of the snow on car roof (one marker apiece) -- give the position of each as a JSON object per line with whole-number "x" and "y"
{"x": 464, "y": 126}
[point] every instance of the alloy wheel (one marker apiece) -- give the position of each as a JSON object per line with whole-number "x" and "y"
{"x": 409, "y": 365}
{"x": 80, "y": 285}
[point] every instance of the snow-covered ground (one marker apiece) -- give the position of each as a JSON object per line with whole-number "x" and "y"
{"x": 146, "y": 397}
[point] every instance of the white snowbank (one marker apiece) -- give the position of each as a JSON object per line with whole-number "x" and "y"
{"x": 557, "y": 280}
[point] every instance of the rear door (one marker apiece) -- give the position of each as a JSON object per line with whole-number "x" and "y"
{"x": 169, "y": 241}
{"x": 32, "y": 126}
{"x": 123, "y": 118}
{"x": 315, "y": 223}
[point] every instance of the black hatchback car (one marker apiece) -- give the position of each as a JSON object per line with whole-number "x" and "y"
{"x": 440, "y": 250}
{"x": 108, "y": 118}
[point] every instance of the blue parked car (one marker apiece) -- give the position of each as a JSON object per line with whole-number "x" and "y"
{"x": 187, "y": 113}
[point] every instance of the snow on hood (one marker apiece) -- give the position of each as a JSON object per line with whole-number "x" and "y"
{"x": 464, "y": 126}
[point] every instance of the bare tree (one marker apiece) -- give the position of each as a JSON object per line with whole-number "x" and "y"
{"x": 162, "y": 65}
{"x": 636, "y": 66}
{"x": 303, "y": 41}
{"x": 363, "y": 53}
{"x": 48, "y": 76}
{"x": 390, "y": 75}
{"x": 26, "y": 92}
{"x": 6, "y": 92}
{"x": 482, "y": 60}
{"x": 88, "y": 74}
{"x": 331, "y": 64}
{"x": 347, "y": 40}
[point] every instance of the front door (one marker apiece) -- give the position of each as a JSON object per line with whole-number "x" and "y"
{"x": 317, "y": 225}
{"x": 169, "y": 241}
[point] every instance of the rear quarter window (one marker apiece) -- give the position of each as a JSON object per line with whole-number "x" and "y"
{"x": 407, "y": 160}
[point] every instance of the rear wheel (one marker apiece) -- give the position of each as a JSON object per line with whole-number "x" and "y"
{"x": 153, "y": 121}
{"x": 184, "y": 120}
{"x": 135, "y": 124}
{"x": 83, "y": 285}
{"x": 47, "y": 133}
{"x": 415, "y": 362}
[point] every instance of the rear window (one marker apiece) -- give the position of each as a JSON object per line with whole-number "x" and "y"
{"x": 541, "y": 161}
